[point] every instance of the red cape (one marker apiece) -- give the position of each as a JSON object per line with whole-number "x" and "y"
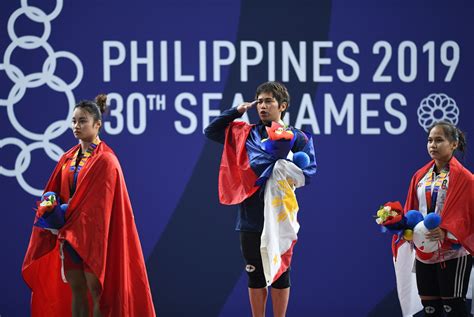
{"x": 457, "y": 215}
{"x": 101, "y": 228}
{"x": 236, "y": 177}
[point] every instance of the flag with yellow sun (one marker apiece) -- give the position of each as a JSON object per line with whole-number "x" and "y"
{"x": 281, "y": 225}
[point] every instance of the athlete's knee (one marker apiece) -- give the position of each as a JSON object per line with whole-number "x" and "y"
{"x": 283, "y": 281}
{"x": 255, "y": 275}
{"x": 93, "y": 285}
{"x": 432, "y": 307}
{"x": 455, "y": 307}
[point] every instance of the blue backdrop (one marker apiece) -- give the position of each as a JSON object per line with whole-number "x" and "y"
{"x": 366, "y": 78}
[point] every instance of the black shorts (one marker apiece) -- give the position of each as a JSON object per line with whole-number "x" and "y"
{"x": 446, "y": 279}
{"x": 250, "y": 247}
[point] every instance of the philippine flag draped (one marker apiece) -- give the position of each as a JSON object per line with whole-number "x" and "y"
{"x": 281, "y": 226}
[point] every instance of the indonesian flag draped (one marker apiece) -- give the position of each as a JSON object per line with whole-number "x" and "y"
{"x": 281, "y": 226}
{"x": 457, "y": 217}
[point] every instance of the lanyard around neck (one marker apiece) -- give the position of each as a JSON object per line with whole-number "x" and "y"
{"x": 432, "y": 195}
{"x": 78, "y": 162}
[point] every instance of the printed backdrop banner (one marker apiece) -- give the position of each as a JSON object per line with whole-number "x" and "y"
{"x": 366, "y": 78}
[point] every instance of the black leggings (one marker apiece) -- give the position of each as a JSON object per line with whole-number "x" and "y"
{"x": 446, "y": 279}
{"x": 250, "y": 247}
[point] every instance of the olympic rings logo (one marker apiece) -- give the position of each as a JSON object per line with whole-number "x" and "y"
{"x": 22, "y": 81}
{"x": 437, "y": 107}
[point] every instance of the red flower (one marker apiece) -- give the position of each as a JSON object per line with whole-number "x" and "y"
{"x": 278, "y": 132}
{"x": 397, "y": 207}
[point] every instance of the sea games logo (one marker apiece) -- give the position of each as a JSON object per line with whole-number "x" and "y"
{"x": 437, "y": 107}
{"x": 23, "y": 81}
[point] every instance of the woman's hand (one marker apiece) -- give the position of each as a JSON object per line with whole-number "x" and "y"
{"x": 437, "y": 234}
{"x": 246, "y": 106}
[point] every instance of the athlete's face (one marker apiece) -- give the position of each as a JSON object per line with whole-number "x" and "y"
{"x": 83, "y": 125}
{"x": 268, "y": 108}
{"x": 439, "y": 147}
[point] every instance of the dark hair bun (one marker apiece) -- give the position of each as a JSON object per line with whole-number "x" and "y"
{"x": 101, "y": 101}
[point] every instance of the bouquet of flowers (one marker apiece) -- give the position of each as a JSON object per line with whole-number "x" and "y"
{"x": 50, "y": 213}
{"x": 280, "y": 140}
{"x": 391, "y": 217}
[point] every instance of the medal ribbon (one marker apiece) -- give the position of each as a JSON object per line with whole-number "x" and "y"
{"x": 431, "y": 196}
{"x": 76, "y": 167}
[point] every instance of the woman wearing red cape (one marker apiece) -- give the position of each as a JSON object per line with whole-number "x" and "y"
{"x": 98, "y": 250}
{"x": 445, "y": 187}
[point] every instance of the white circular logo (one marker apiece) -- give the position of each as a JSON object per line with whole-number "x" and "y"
{"x": 250, "y": 268}
{"x": 430, "y": 309}
{"x": 447, "y": 308}
{"x": 22, "y": 81}
{"x": 437, "y": 107}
